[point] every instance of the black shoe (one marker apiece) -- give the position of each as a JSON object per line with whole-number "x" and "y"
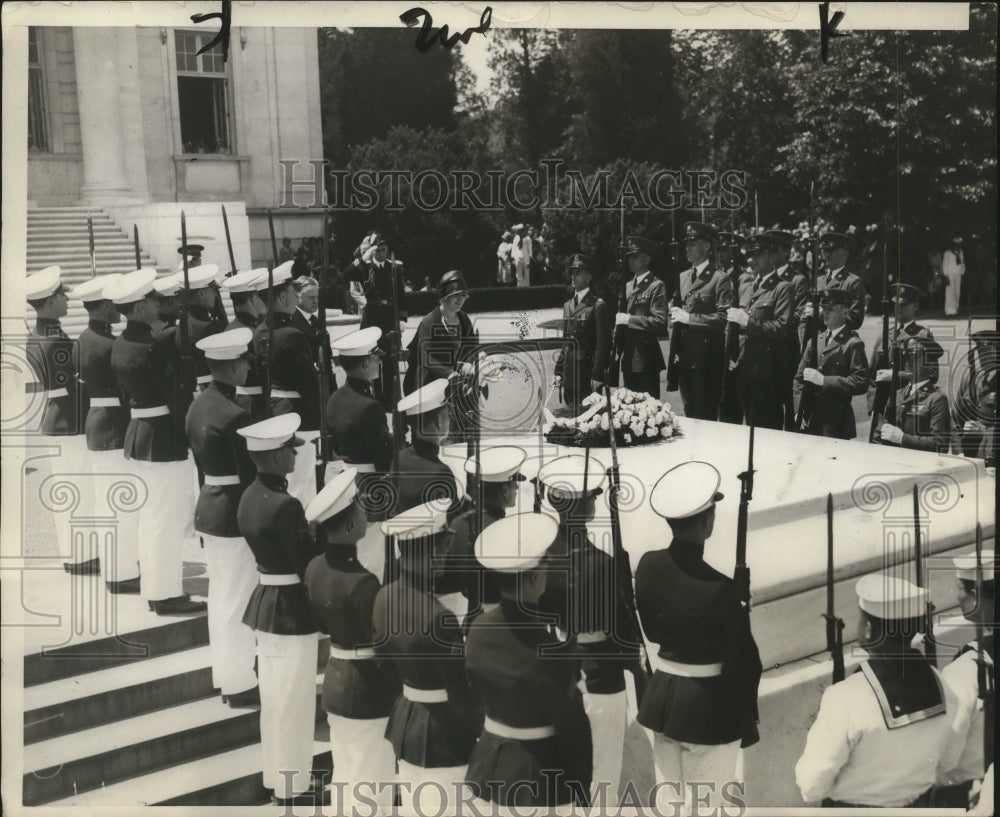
{"x": 249, "y": 699}
{"x": 128, "y": 586}
{"x": 91, "y": 567}
{"x": 177, "y": 606}
{"x": 310, "y": 797}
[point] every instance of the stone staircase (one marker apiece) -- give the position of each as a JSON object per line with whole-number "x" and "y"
{"x": 58, "y": 235}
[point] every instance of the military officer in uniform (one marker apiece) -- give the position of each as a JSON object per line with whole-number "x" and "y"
{"x": 535, "y": 748}
{"x": 764, "y": 318}
{"x": 433, "y": 725}
{"x": 249, "y": 310}
{"x": 924, "y": 419}
{"x": 155, "y": 442}
{"x": 842, "y": 373}
{"x": 165, "y": 292}
{"x": 965, "y": 764}
{"x": 881, "y": 732}
{"x": 274, "y": 525}
{"x": 213, "y": 423}
{"x": 645, "y": 320}
{"x": 835, "y": 249}
{"x": 783, "y": 242}
{"x": 201, "y": 292}
{"x": 701, "y": 703}
{"x": 582, "y": 364}
{"x": 294, "y": 384}
{"x": 976, "y": 399}
{"x": 706, "y": 293}
{"x": 359, "y": 689}
{"x": 906, "y": 301}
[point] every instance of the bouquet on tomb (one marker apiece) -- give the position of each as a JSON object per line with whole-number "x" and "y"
{"x": 637, "y": 418}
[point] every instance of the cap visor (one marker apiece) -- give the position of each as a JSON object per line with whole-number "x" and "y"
{"x": 718, "y": 496}
{"x": 295, "y": 442}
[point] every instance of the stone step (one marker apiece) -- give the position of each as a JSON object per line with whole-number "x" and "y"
{"x": 72, "y": 208}
{"x": 118, "y": 255}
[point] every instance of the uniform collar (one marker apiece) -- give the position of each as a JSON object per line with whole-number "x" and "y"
{"x": 684, "y": 551}
{"x": 360, "y": 386}
{"x": 274, "y": 482}
{"x": 339, "y": 553}
{"x": 767, "y": 281}
{"x": 48, "y": 327}
{"x": 579, "y": 296}
{"x": 426, "y": 449}
{"x": 640, "y": 279}
{"x": 701, "y": 268}
{"x": 247, "y": 319}
{"x": 495, "y": 511}
{"x": 100, "y": 327}
{"x": 281, "y": 319}
{"x": 840, "y": 272}
{"x": 225, "y": 388}
{"x": 138, "y": 329}
{"x": 200, "y": 312}
{"x": 782, "y": 270}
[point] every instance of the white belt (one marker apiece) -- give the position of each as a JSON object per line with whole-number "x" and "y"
{"x": 52, "y": 393}
{"x": 684, "y": 670}
{"x": 361, "y": 467}
{"x": 250, "y": 391}
{"x": 154, "y": 411}
{"x": 203, "y": 378}
{"x": 353, "y": 654}
{"x": 584, "y": 638}
{"x": 290, "y": 395}
{"x": 425, "y": 696}
{"x": 278, "y": 578}
{"x": 517, "y": 733}
{"x": 105, "y": 402}
{"x": 489, "y": 606}
{"x": 228, "y": 479}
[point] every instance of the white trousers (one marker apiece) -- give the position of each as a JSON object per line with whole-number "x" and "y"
{"x": 302, "y": 481}
{"x": 693, "y": 771}
{"x": 361, "y": 752}
{"x": 287, "y": 675}
{"x": 232, "y": 576}
{"x": 952, "y": 293}
{"x": 163, "y": 524}
{"x": 608, "y": 718}
{"x": 430, "y": 791}
{"x": 116, "y": 492}
{"x": 63, "y": 486}
{"x": 522, "y": 272}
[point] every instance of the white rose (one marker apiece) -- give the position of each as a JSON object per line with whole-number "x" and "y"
{"x": 652, "y": 422}
{"x": 666, "y": 431}
{"x": 651, "y": 432}
{"x": 604, "y": 422}
{"x": 628, "y": 437}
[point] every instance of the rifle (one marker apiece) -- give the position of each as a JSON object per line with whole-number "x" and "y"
{"x": 187, "y": 368}
{"x": 834, "y": 624}
{"x": 537, "y": 506}
{"x": 676, "y": 331}
{"x": 395, "y": 353}
{"x": 322, "y": 362}
{"x": 808, "y": 397}
{"x": 135, "y": 243}
{"x": 625, "y": 595}
{"x": 882, "y": 390}
{"x": 274, "y": 241}
{"x": 731, "y": 339}
{"x": 984, "y": 676}
{"x": 265, "y": 356}
{"x": 930, "y": 646}
{"x": 742, "y": 573}
{"x": 93, "y": 253}
{"x": 618, "y": 342}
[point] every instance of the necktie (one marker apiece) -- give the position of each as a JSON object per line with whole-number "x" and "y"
{"x": 313, "y": 322}
{"x": 576, "y": 301}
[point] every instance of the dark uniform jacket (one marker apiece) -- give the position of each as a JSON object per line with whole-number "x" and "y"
{"x": 274, "y": 525}
{"x": 924, "y": 418}
{"x": 764, "y": 342}
{"x": 50, "y": 353}
{"x": 201, "y": 324}
{"x": 706, "y": 297}
{"x": 800, "y": 295}
{"x": 317, "y": 336}
{"x": 252, "y": 403}
{"x": 105, "y": 428}
{"x": 147, "y": 371}
{"x": 845, "y": 374}
{"x": 376, "y": 283}
{"x": 437, "y": 350}
{"x": 587, "y": 328}
{"x": 901, "y": 336}
{"x": 219, "y": 451}
{"x": 342, "y": 595}
{"x": 358, "y": 427}
{"x": 853, "y": 284}
{"x": 692, "y": 612}
{"x": 292, "y": 369}
{"x": 647, "y": 304}
{"x": 521, "y": 688}
{"x": 411, "y": 628}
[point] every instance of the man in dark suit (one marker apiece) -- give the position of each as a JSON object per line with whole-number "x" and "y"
{"x": 249, "y": 310}
{"x": 783, "y": 242}
{"x": 923, "y": 419}
{"x": 582, "y": 364}
{"x": 645, "y": 320}
{"x": 764, "y": 319}
{"x": 842, "y": 372}
{"x": 359, "y": 689}
{"x": 212, "y": 426}
{"x": 148, "y": 374}
{"x": 306, "y": 319}
{"x": 274, "y": 525}
{"x": 705, "y": 293}
{"x": 701, "y": 703}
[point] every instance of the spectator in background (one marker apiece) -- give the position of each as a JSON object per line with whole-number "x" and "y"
{"x": 286, "y": 253}
{"x": 953, "y": 267}
{"x": 505, "y": 265}
{"x": 534, "y": 256}
{"x": 936, "y": 282}
{"x": 300, "y": 266}
{"x": 545, "y": 245}
{"x": 428, "y": 286}
{"x": 518, "y": 257}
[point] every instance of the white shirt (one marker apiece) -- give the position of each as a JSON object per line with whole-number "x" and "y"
{"x": 580, "y": 295}
{"x": 307, "y": 315}
{"x": 836, "y": 272}
{"x": 781, "y": 269}
{"x": 700, "y": 268}
{"x": 965, "y": 758}
{"x": 853, "y": 757}
{"x": 639, "y": 279}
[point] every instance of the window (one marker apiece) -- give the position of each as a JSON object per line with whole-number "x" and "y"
{"x": 203, "y": 94}
{"x": 38, "y": 130}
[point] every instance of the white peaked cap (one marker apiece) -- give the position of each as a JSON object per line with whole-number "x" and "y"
{"x": 430, "y": 397}
{"x": 566, "y": 474}
{"x": 887, "y": 597}
{"x": 201, "y": 276}
{"x": 43, "y": 283}
{"x": 282, "y": 273}
{"x": 168, "y": 285}
{"x": 250, "y": 280}
{"x": 422, "y": 520}
{"x": 335, "y": 497}
{"x": 362, "y": 343}
{"x": 93, "y": 289}
{"x": 965, "y": 566}
{"x": 686, "y": 490}
{"x": 227, "y": 345}
{"x": 131, "y": 287}
{"x": 274, "y": 432}
{"x": 516, "y": 543}
{"x": 500, "y": 463}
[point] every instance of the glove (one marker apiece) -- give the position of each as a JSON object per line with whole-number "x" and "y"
{"x": 679, "y": 315}
{"x": 813, "y": 376}
{"x": 883, "y": 376}
{"x": 557, "y": 381}
{"x": 737, "y": 315}
{"x": 973, "y": 425}
{"x": 891, "y": 434}
{"x": 807, "y": 310}
{"x": 621, "y": 319}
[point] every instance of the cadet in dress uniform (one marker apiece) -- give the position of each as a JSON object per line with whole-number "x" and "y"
{"x": 842, "y": 373}
{"x": 965, "y": 764}
{"x": 924, "y": 421}
{"x": 212, "y": 426}
{"x": 645, "y": 320}
{"x": 701, "y": 703}
{"x": 372, "y": 283}
{"x": 203, "y": 288}
{"x": 765, "y": 319}
{"x": 535, "y": 748}
{"x": 106, "y": 418}
{"x": 582, "y": 364}
{"x": 274, "y": 525}
{"x": 249, "y": 310}
{"x": 783, "y": 242}
{"x": 706, "y": 293}
{"x": 165, "y": 292}
{"x": 835, "y": 249}
{"x": 434, "y": 723}
{"x": 148, "y": 375}
{"x": 881, "y": 732}
{"x": 581, "y": 595}
{"x": 358, "y": 688}
{"x": 294, "y": 384}
{"x": 51, "y": 355}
